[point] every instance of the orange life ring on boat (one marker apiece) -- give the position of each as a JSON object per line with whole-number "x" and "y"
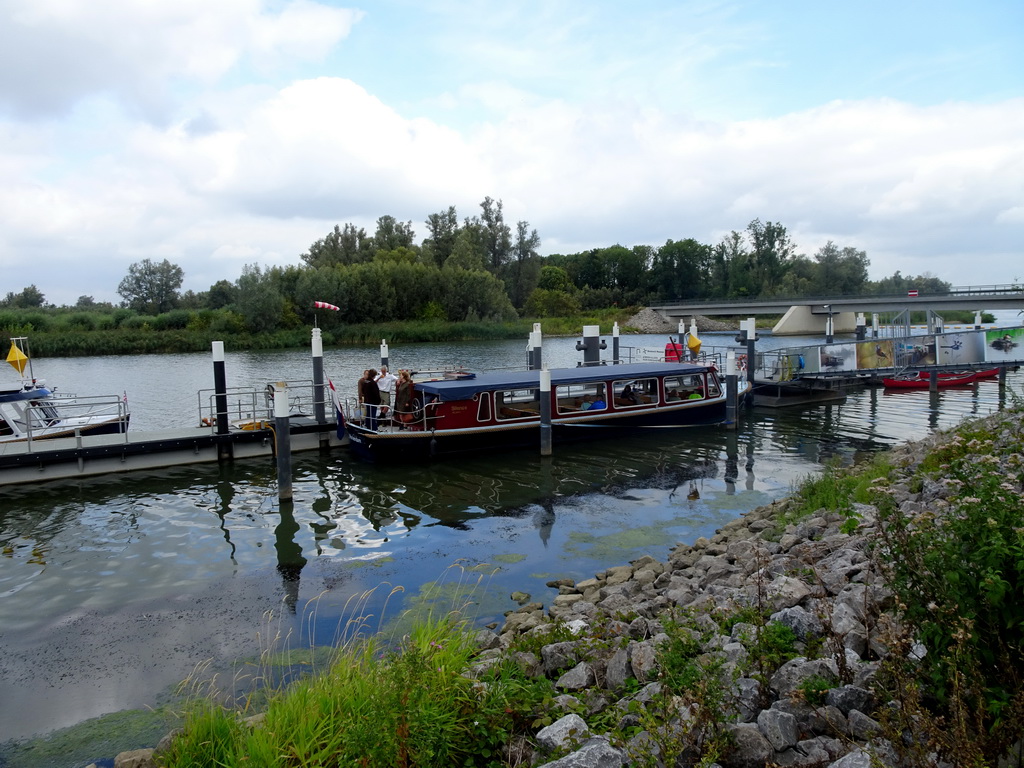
{"x": 741, "y": 362}
{"x": 207, "y": 421}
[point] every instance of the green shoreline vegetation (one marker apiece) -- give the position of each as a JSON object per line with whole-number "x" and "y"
{"x": 70, "y": 333}
{"x": 475, "y": 279}
{"x": 956, "y": 570}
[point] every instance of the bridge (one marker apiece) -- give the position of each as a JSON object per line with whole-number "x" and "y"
{"x": 803, "y": 315}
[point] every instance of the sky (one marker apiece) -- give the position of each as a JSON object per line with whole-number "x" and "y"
{"x": 238, "y": 132}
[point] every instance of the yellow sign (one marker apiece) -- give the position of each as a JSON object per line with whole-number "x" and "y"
{"x": 17, "y": 358}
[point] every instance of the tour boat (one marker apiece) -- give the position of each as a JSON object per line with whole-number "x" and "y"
{"x": 32, "y": 411}
{"x": 502, "y": 410}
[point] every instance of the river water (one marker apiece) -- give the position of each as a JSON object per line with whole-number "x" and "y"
{"x": 114, "y": 589}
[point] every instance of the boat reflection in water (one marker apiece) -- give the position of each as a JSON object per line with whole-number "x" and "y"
{"x": 115, "y": 588}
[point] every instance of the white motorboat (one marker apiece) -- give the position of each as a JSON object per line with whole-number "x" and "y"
{"x": 33, "y": 411}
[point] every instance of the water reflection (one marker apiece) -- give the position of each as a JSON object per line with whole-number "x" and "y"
{"x": 289, "y": 554}
{"x": 193, "y": 545}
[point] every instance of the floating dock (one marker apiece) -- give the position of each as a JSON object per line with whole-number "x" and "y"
{"x": 91, "y": 455}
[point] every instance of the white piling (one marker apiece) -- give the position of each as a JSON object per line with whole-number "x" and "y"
{"x": 545, "y": 412}
{"x": 283, "y": 443}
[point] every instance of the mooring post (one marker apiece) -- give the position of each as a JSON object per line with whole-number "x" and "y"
{"x": 933, "y": 381}
{"x": 874, "y": 324}
{"x": 615, "y": 344}
{"x": 318, "y": 378}
{"x": 534, "y": 349}
{"x": 731, "y": 390}
{"x": 751, "y": 350}
{"x": 220, "y": 388}
{"x": 977, "y": 320}
{"x": 545, "y": 412}
{"x": 591, "y": 345}
{"x": 384, "y": 362}
{"x": 283, "y": 443}
{"x": 862, "y": 326}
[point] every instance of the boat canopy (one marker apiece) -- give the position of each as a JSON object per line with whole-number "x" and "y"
{"x": 17, "y": 395}
{"x": 465, "y": 388}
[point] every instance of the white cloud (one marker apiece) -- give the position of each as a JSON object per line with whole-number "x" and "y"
{"x": 56, "y": 53}
{"x": 239, "y": 171}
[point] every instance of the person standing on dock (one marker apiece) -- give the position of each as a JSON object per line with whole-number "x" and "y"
{"x": 386, "y": 384}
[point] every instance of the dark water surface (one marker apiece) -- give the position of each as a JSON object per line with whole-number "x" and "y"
{"x": 112, "y": 590}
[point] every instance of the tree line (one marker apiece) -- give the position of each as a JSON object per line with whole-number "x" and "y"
{"x": 484, "y": 270}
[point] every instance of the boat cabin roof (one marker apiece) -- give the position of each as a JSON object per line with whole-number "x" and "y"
{"x": 465, "y": 388}
{"x": 14, "y": 395}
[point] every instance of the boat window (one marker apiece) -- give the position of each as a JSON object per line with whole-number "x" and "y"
{"x": 714, "y": 387}
{"x": 43, "y": 413}
{"x": 483, "y": 407}
{"x": 687, "y": 387}
{"x": 5, "y": 428}
{"x": 573, "y": 398}
{"x": 632, "y": 392}
{"x": 517, "y": 403}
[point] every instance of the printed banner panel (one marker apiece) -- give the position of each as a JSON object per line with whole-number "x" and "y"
{"x": 875, "y": 354}
{"x": 1004, "y": 344}
{"x": 961, "y": 348}
{"x": 838, "y": 357}
{"x": 914, "y": 350}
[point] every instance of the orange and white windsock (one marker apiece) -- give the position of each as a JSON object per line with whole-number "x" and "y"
{"x": 325, "y": 305}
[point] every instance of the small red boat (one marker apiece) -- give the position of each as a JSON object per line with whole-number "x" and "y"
{"x": 921, "y": 380}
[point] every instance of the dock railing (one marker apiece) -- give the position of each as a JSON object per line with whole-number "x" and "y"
{"x": 253, "y": 407}
{"x": 66, "y": 409}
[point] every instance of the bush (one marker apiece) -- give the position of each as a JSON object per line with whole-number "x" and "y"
{"x": 957, "y": 570}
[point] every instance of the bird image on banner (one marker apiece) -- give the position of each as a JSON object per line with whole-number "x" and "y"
{"x": 325, "y": 305}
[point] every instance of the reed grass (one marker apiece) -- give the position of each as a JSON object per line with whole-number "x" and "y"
{"x": 378, "y": 699}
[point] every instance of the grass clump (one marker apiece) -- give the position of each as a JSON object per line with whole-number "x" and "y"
{"x": 838, "y": 488}
{"x": 409, "y": 705}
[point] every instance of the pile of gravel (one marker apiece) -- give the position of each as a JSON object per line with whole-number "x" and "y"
{"x": 649, "y": 321}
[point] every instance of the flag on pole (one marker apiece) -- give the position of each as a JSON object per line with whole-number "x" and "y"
{"x": 337, "y": 410}
{"x": 17, "y": 358}
{"x": 325, "y": 305}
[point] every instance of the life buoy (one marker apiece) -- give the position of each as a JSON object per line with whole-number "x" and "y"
{"x": 207, "y": 421}
{"x": 741, "y": 362}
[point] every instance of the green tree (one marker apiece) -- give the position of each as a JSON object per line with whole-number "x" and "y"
{"x": 442, "y": 232}
{"x": 348, "y": 245}
{"x": 523, "y": 270}
{"x": 554, "y": 279}
{"x": 770, "y": 254}
{"x": 840, "y": 271}
{"x": 29, "y": 298}
{"x": 392, "y": 234}
{"x": 259, "y": 299}
{"x": 151, "y": 288}
{"x": 680, "y": 269}
{"x": 470, "y": 251}
{"x": 544, "y": 302}
{"x": 497, "y": 235}
{"x": 221, "y": 294}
